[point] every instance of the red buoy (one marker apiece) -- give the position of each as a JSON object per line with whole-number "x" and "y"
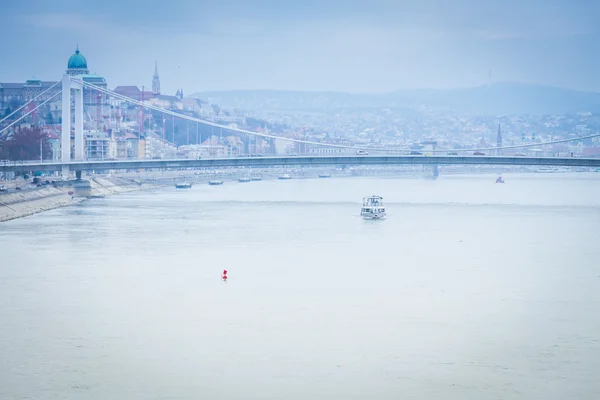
{"x": 224, "y": 275}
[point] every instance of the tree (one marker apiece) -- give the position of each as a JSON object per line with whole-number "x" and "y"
{"x": 49, "y": 118}
{"x": 24, "y": 145}
{"x": 7, "y": 112}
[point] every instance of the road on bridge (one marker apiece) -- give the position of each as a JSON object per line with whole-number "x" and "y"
{"x": 298, "y": 161}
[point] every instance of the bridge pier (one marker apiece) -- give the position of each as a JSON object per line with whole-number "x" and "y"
{"x": 78, "y": 175}
{"x": 436, "y": 171}
{"x": 78, "y": 121}
{"x": 68, "y": 84}
{"x": 65, "y": 132}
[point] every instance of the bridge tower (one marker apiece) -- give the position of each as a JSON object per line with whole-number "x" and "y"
{"x": 429, "y": 149}
{"x": 499, "y": 141}
{"x": 72, "y": 86}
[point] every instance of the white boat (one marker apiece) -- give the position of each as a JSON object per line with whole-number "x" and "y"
{"x": 183, "y": 185}
{"x": 256, "y": 178}
{"x": 215, "y": 182}
{"x": 285, "y": 176}
{"x": 324, "y": 175}
{"x": 244, "y": 179}
{"x": 373, "y": 208}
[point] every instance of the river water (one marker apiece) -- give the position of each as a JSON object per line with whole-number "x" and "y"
{"x": 469, "y": 290}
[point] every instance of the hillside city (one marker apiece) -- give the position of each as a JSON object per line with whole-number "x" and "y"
{"x": 116, "y": 129}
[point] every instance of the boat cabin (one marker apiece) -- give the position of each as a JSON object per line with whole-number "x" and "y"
{"x": 373, "y": 207}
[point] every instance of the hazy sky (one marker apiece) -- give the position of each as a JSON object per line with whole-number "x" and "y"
{"x": 339, "y": 45}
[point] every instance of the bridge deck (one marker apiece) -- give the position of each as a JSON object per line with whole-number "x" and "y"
{"x": 300, "y": 161}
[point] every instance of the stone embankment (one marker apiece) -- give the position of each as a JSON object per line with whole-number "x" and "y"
{"x": 101, "y": 187}
{"x": 28, "y": 201}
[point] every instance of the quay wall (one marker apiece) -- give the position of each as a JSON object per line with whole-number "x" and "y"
{"x": 29, "y": 201}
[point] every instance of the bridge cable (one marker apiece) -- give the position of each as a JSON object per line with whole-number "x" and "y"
{"x": 29, "y": 112}
{"x": 30, "y": 101}
{"x": 197, "y": 120}
{"x": 201, "y": 121}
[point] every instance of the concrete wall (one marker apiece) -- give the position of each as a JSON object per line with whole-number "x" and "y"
{"x": 31, "y": 201}
{"x": 21, "y": 204}
{"x": 114, "y": 185}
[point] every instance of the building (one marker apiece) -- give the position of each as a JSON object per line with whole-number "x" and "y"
{"x": 316, "y": 150}
{"x": 198, "y": 151}
{"x": 14, "y": 95}
{"x": 429, "y": 146}
{"x": 133, "y": 92}
{"x": 167, "y": 102}
{"x": 153, "y": 146}
{"x": 99, "y": 146}
{"x": 126, "y": 145}
{"x": 77, "y": 66}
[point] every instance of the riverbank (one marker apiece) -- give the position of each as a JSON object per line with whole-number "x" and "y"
{"x": 22, "y": 204}
{"x": 27, "y": 202}
{"x": 32, "y": 200}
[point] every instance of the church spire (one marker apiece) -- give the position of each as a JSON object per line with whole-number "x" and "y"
{"x": 156, "y": 79}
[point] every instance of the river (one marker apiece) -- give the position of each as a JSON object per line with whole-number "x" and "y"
{"x": 469, "y": 290}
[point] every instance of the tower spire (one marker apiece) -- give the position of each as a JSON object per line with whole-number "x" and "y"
{"x": 156, "y": 79}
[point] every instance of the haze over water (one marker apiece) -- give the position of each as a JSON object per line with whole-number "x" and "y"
{"x": 469, "y": 290}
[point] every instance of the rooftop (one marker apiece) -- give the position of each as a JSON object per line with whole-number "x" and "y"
{"x": 77, "y": 61}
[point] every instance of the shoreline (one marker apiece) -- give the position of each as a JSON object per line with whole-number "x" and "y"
{"x": 34, "y": 201}
{"x": 19, "y": 204}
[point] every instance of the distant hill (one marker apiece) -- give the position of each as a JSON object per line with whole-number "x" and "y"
{"x": 497, "y": 99}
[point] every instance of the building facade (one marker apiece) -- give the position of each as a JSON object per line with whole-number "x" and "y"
{"x": 77, "y": 67}
{"x": 14, "y": 95}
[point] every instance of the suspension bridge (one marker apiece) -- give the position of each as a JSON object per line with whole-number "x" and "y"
{"x": 72, "y": 88}
{"x": 260, "y": 162}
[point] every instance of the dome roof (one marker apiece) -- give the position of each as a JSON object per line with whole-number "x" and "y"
{"x": 77, "y": 61}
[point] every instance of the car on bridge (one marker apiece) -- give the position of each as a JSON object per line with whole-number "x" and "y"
{"x": 478, "y": 153}
{"x": 361, "y": 153}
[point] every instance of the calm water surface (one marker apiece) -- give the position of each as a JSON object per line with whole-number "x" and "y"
{"x": 469, "y": 290}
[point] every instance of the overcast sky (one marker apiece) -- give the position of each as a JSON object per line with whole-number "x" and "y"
{"x": 337, "y": 45}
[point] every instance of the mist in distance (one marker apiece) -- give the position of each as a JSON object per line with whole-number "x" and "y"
{"x": 337, "y": 45}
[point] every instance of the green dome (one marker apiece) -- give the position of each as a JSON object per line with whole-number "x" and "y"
{"x": 77, "y": 61}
